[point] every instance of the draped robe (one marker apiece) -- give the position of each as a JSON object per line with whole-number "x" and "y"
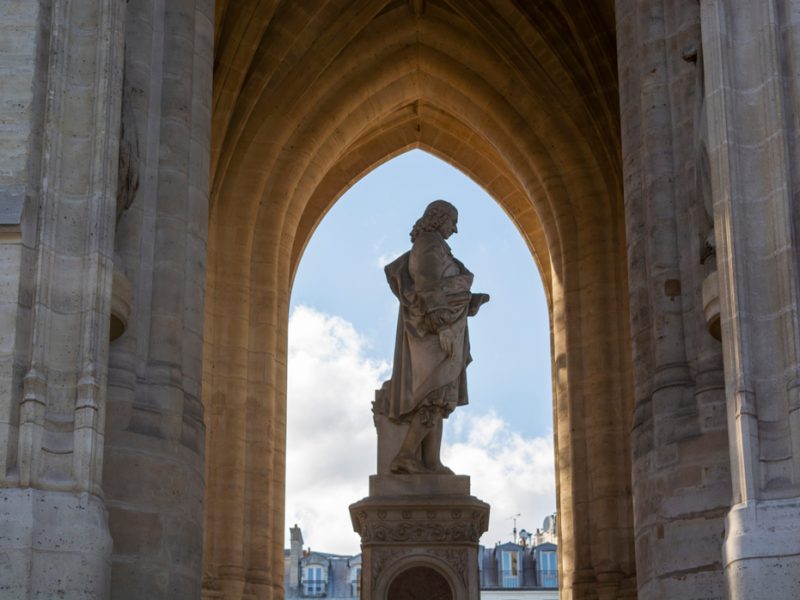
{"x": 428, "y": 281}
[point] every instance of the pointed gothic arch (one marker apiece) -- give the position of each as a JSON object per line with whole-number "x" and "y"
{"x": 314, "y": 96}
{"x": 555, "y": 106}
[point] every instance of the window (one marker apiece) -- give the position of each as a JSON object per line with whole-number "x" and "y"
{"x": 547, "y": 567}
{"x": 356, "y": 581}
{"x": 510, "y": 570}
{"x": 314, "y": 581}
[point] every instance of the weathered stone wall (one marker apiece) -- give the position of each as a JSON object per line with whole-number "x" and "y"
{"x": 61, "y": 108}
{"x": 153, "y": 477}
{"x": 679, "y": 438}
{"x": 709, "y": 102}
{"x": 752, "y": 85}
{"x": 25, "y": 29}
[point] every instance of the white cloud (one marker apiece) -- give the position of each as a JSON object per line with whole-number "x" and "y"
{"x": 513, "y": 473}
{"x": 330, "y": 436}
{"x": 387, "y": 257}
{"x": 332, "y": 443}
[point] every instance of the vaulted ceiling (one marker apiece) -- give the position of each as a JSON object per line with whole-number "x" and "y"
{"x": 520, "y": 95}
{"x": 309, "y": 96}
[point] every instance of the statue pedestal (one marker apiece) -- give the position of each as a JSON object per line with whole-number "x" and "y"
{"x": 419, "y": 533}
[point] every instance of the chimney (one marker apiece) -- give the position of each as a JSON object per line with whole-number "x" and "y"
{"x": 295, "y": 554}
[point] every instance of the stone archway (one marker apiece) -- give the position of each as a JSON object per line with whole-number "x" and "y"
{"x": 310, "y": 98}
{"x": 546, "y": 104}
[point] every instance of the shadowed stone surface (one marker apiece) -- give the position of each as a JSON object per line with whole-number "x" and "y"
{"x": 420, "y": 582}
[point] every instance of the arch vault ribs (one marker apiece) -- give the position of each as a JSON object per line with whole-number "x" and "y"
{"x": 330, "y": 91}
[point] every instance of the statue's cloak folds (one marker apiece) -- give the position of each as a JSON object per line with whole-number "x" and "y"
{"x": 429, "y": 282}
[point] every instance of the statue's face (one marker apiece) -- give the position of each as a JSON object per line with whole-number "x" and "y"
{"x": 449, "y": 227}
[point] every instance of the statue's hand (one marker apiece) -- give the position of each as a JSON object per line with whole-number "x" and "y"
{"x": 438, "y": 319}
{"x": 477, "y": 301}
{"x": 447, "y": 341}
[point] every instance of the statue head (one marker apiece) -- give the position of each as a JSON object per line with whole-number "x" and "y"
{"x": 439, "y": 216}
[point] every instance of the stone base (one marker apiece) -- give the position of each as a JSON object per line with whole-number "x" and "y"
{"x": 418, "y": 485}
{"x": 420, "y": 529}
{"x": 761, "y": 555}
{"x": 53, "y": 545}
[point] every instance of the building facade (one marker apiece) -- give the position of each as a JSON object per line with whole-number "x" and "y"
{"x": 509, "y": 571}
{"x": 311, "y": 574}
{"x": 513, "y": 567}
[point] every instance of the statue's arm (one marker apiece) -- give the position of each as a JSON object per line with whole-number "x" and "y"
{"x": 442, "y": 299}
{"x": 476, "y": 302}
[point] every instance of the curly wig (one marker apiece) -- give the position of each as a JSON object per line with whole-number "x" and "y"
{"x": 436, "y": 213}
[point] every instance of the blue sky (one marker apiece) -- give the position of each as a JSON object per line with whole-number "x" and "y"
{"x": 342, "y": 330}
{"x": 341, "y": 273}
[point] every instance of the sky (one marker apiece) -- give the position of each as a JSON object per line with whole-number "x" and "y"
{"x": 341, "y": 341}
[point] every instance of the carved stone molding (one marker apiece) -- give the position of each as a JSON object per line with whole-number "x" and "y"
{"x": 409, "y": 521}
{"x": 419, "y": 532}
{"x": 456, "y": 558}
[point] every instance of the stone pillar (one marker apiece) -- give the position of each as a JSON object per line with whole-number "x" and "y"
{"x": 58, "y": 191}
{"x": 681, "y": 480}
{"x": 420, "y": 522}
{"x": 753, "y": 94}
{"x": 155, "y": 436}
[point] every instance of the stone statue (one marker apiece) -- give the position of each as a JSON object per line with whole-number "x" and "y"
{"x": 432, "y": 346}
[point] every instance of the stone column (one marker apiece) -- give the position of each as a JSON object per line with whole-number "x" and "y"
{"x": 58, "y": 190}
{"x": 154, "y": 473}
{"x": 681, "y": 483}
{"x": 753, "y": 93}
